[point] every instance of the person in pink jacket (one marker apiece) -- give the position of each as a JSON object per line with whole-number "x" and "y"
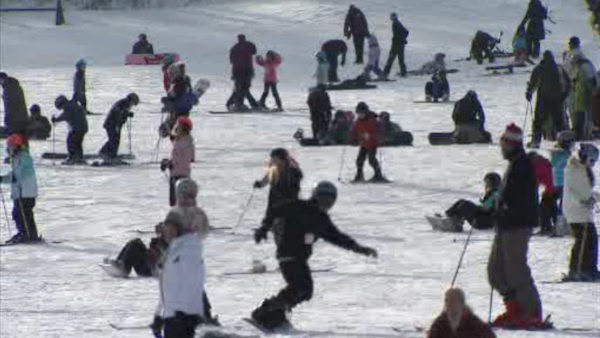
{"x": 270, "y": 64}
{"x": 182, "y": 155}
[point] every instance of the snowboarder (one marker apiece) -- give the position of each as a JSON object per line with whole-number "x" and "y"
{"x": 438, "y": 88}
{"x": 319, "y": 105}
{"x": 39, "y": 127}
{"x": 374, "y": 55}
{"x": 387, "y": 131}
{"x": 559, "y": 156}
{"x": 364, "y": 132}
{"x": 436, "y": 65}
{"x": 579, "y": 204}
{"x": 482, "y": 46}
{"x": 16, "y": 117}
{"x": 458, "y": 320}
{"x": 356, "y": 26}
{"x": 333, "y": 49}
{"x": 182, "y": 155}
{"x": 241, "y": 58}
{"x": 142, "y": 46}
{"x": 270, "y": 63}
{"x": 543, "y": 175}
{"x": 469, "y": 120}
{"x": 296, "y": 226}
{"x": 79, "y": 91}
{"x": 534, "y": 18}
{"x": 75, "y": 116}
{"x": 24, "y": 189}
{"x": 399, "y": 40}
{"x": 117, "y": 117}
{"x": 517, "y": 214}
{"x": 583, "y": 84}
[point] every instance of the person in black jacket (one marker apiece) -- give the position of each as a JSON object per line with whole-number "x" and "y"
{"x": 79, "y": 91}
{"x": 469, "y": 120}
{"x": 356, "y": 26}
{"x": 399, "y": 40}
{"x": 16, "y": 117}
{"x": 142, "y": 46}
{"x": 534, "y": 18}
{"x": 517, "y": 214}
{"x": 296, "y": 226}
{"x": 39, "y": 127}
{"x": 75, "y": 116}
{"x": 241, "y": 57}
{"x": 319, "y": 104}
{"x": 117, "y": 117}
{"x": 482, "y": 46}
{"x": 333, "y": 49}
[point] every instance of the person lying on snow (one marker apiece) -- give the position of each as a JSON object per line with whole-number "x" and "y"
{"x": 438, "y": 88}
{"x": 469, "y": 120}
{"x": 341, "y": 126}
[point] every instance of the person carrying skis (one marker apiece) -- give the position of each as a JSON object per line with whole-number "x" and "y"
{"x": 333, "y": 49}
{"x": 374, "y": 55}
{"x": 580, "y": 200}
{"x": 24, "y": 189}
{"x": 559, "y": 157}
{"x": 399, "y": 41}
{"x": 270, "y": 63}
{"x": 469, "y": 120}
{"x": 320, "y": 107}
{"x": 322, "y": 73}
{"x": 438, "y": 88}
{"x": 241, "y": 58}
{"x": 534, "y": 18}
{"x": 553, "y": 86}
{"x": 364, "y": 132}
{"x": 16, "y": 117}
{"x": 356, "y": 26}
{"x": 482, "y": 46}
{"x": 543, "y": 175}
{"x": 583, "y": 84}
{"x": 296, "y": 226}
{"x": 182, "y": 155}
{"x": 142, "y": 46}
{"x": 39, "y": 127}
{"x": 75, "y": 116}
{"x": 117, "y": 117}
{"x": 79, "y": 91}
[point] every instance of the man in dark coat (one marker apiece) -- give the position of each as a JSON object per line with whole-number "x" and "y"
{"x": 356, "y": 26}
{"x": 319, "y": 104}
{"x": 241, "y": 57}
{"x": 117, "y": 117}
{"x": 75, "y": 116}
{"x": 142, "y": 46}
{"x": 469, "y": 119}
{"x": 16, "y": 117}
{"x": 79, "y": 92}
{"x": 399, "y": 40}
{"x": 333, "y": 49}
{"x": 482, "y": 46}
{"x": 534, "y": 18}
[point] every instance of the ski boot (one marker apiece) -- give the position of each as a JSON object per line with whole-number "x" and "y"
{"x": 359, "y": 177}
{"x": 271, "y": 314}
{"x": 378, "y": 177}
{"x": 19, "y": 237}
{"x": 508, "y": 318}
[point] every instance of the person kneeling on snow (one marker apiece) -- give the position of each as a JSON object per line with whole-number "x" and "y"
{"x": 458, "y": 320}
{"x": 341, "y": 126}
{"x": 24, "y": 189}
{"x": 182, "y": 155}
{"x": 482, "y": 46}
{"x": 469, "y": 120}
{"x": 117, "y": 117}
{"x": 438, "y": 88}
{"x": 39, "y": 127}
{"x": 364, "y": 132}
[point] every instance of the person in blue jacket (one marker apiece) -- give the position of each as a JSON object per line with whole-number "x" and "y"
{"x": 76, "y": 118}
{"x": 117, "y": 117}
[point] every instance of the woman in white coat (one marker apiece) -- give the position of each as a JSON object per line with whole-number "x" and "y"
{"x": 578, "y": 208}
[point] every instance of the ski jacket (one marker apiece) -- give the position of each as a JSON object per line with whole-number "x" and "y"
{"x": 75, "y": 116}
{"x": 181, "y": 282}
{"x": 549, "y": 80}
{"x": 519, "y": 44}
{"x": 482, "y": 42}
{"x": 535, "y": 16}
{"x": 518, "y": 204}
{"x": 182, "y": 103}
{"x": 489, "y": 200}
{"x": 16, "y": 115}
{"x": 182, "y": 156}
{"x": 543, "y": 173}
{"x": 322, "y": 73}
{"x": 240, "y": 57}
{"x": 364, "y": 131}
{"x": 335, "y": 47}
{"x": 399, "y": 34}
{"x": 118, "y": 115}
{"x": 567, "y": 61}
{"x": 468, "y": 112}
{"x": 196, "y": 219}
{"x": 374, "y": 51}
{"x": 559, "y": 159}
{"x": 319, "y": 102}
{"x": 578, "y": 192}
{"x": 285, "y": 186}
{"x": 79, "y": 83}
{"x": 434, "y": 66}
{"x": 22, "y": 177}
{"x": 470, "y": 327}
{"x": 142, "y": 47}
{"x": 270, "y": 66}
{"x": 39, "y": 128}
{"x": 583, "y": 85}
{"x": 355, "y": 24}
{"x": 297, "y": 225}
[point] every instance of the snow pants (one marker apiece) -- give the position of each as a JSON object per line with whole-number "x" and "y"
{"x": 396, "y": 52}
{"x": 242, "y": 83}
{"x": 181, "y": 326}
{"x": 22, "y": 214}
{"x": 319, "y": 123}
{"x": 75, "y": 145}
{"x": 548, "y": 109}
{"x": 359, "y": 46}
{"x": 472, "y": 213}
{"x": 533, "y": 47}
{"x": 111, "y": 147}
{"x": 272, "y": 86}
{"x": 509, "y": 273}
{"x": 584, "y": 253}
{"x": 371, "y": 154}
{"x": 372, "y": 67}
{"x": 332, "y": 58}
{"x": 135, "y": 255}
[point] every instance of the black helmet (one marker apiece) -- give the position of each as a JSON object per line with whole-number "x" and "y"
{"x": 493, "y": 178}
{"x": 35, "y": 108}
{"x": 60, "y": 101}
{"x": 133, "y": 98}
{"x": 325, "y": 189}
{"x": 280, "y": 153}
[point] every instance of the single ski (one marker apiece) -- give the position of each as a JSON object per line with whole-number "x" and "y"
{"x": 42, "y": 241}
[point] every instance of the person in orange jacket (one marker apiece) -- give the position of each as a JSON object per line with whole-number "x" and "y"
{"x": 364, "y": 132}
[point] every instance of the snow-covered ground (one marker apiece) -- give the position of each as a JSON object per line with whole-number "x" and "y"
{"x": 57, "y": 290}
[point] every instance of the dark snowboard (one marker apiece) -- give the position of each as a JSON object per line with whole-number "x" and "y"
{"x": 404, "y": 138}
{"x": 438, "y": 139}
{"x": 343, "y": 86}
{"x": 63, "y": 156}
{"x": 249, "y": 112}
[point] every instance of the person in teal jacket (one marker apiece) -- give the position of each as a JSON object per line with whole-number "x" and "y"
{"x": 24, "y": 189}
{"x": 559, "y": 157}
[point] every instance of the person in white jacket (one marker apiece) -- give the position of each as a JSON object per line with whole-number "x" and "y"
{"x": 578, "y": 208}
{"x": 374, "y": 55}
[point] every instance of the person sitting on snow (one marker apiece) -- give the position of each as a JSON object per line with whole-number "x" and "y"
{"x": 469, "y": 120}
{"x": 482, "y": 47}
{"x": 436, "y": 65}
{"x": 387, "y": 131}
{"x": 142, "y": 46}
{"x": 438, "y": 88}
{"x": 39, "y": 127}
{"x": 339, "y": 133}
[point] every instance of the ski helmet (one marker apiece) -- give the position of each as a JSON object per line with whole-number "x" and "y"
{"x": 185, "y": 122}
{"x": 566, "y": 139}
{"x": 133, "y": 98}
{"x": 186, "y": 188}
{"x": 60, "y": 101}
{"x": 280, "y": 153}
{"x": 362, "y": 107}
{"x": 325, "y": 189}
{"x": 35, "y": 108}
{"x": 588, "y": 151}
{"x": 15, "y": 141}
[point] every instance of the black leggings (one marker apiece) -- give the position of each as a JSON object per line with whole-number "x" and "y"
{"x": 111, "y": 147}
{"x": 75, "y": 144}
{"x": 371, "y": 154}
{"x": 273, "y": 87}
{"x": 181, "y": 326}
{"x": 135, "y": 255}
{"x": 584, "y": 254}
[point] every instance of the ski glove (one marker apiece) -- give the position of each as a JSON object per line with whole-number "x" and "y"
{"x": 528, "y": 96}
{"x": 257, "y": 184}
{"x": 53, "y": 119}
{"x": 157, "y": 326}
{"x": 260, "y": 234}
{"x": 165, "y": 164}
{"x": 365, "y": 250}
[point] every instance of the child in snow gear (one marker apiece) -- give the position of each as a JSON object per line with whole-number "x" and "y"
{"x": 534, "y": 18}
{"x": 322, "y": 73}
{"x": 579, "y": 204}
{"x": 436, "y": 65}
{"x": 24, "y": 189}
{"x": 559, "y": 157}
{"x": 364, "y": 132}
{"x": 39, "y": 127}
{"x": 117, "y": 117}
{"x": 519, "y": 44}
{"x": 458, "y": 320}
{"x": 16, "y": 117}
{"x": 296, "y": 226}
{"x": 333, "y": 49}
{"x": 182, "y": 155}
{"x": 516, "y": 214}
{"x": 543, "y": 175}
{"x": 241, "y": 58}
{"x": 142, "y": 46}
{"x": 179, "y": 102}
{"x": 270, "y": 63}
{"x": 356, "y": 26}
{"x": 482, "y": 47}
{"x": 374, "y": 55}
{"x": 75, "y": 116}
{"x": 319, "y": 105}
{"x": 438, "y": 88}
{"x": 399, "y": 40}
{"x": 469, "y": 120}
{"x": 79, "y": 94}
{"x": 584, "y": 84}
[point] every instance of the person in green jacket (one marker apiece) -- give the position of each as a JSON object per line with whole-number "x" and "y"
{"x": 584, "y": 83}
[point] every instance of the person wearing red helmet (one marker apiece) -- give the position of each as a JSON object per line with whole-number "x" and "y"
{"x": 23, "y": 189}
{"x": 182, "y": 155}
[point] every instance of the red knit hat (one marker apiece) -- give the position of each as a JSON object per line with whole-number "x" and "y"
{"x": 185, "y": 122}
{"x": 513, "y": 134}
{"x": 15, "y": 141}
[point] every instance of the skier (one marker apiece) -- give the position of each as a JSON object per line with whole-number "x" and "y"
{"x": 438, "y": 88}
{"x": 559, "y": 156}
{"x": 241, "y": 58}
{"x": 117, "y": 117}
{"x": 364, "y": 132}
{"x": 142, "y": 46}
{"x": 166, "y": 64}
{"x": 16, "y": 117}
{"x": 270, "y": 63}
{"x": 552, "y": 85}
{"x": 534, "y": 18}
{"x": 482, "y": 46}
{"x": 322, "y": 73}
{"x": 517, "y": 213}
{"x": 469, "y": 120}
{"x": 356, "y": 26}
{"x": 24, "y": 189}
{"x": 39, "y": 127}
{"x": 333, "y": 49}
{"x": 374, "y": 55}
{"x": 574, "y": 49}
{"x": 182, "y": 155}
{"x": 319, "y": 104}
{"x": 387, "y": 131}
{"x": 79, "y": 92}
{"x": 75, "y": 116}
{"x": 543, "y": 175}
{"x": 296, "y": 226}
{"x": 583, "y": 84}
{"x": 458, "y": 320}
{"x": 399, "y": 40}
{"x": 579, "y": 204}
{"x": 436, "y": 65}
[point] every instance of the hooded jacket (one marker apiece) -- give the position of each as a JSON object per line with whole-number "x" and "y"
{"x": 578, "y": 189}
{"x": 22, "y": 177}
{"x": 270, "y": 66}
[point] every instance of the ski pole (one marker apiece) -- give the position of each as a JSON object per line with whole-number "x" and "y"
{"x": 53, "y": 142}
{"x": 343, "y": 157}
{"x": 491, "y": 300}
{"x": 241, "y": 218}
{"x": 462, "y": 255}
{"x": 527, "y": 108}
{"x": 129, "y": 123}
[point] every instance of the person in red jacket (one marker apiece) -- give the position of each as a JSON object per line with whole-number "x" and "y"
{"x": 364, "y": 132}
{"x": 543, "y": 174}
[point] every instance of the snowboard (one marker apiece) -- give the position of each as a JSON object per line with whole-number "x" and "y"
{"x": 420, "y": 72}
{"x": 444, "y": 224}
{"x": 437, "y": 139}
{"x": 343, "y": 86}
{"x": 113, "y": 271}
{"x": 438, "y": 102}
{"x": 148, "y": 59}
{"x": 63, "y": 156}
{"x": 41, "y": 241}
{"x": 381, "y": 80}
{"x": 372, "y": 181}
{"x": 287, "y": 328}
{"x": 200, "y": 88}
{"x": 510, "y": 68}
{"x": 249, "y": 112}
{"x": 110, "y": 163}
